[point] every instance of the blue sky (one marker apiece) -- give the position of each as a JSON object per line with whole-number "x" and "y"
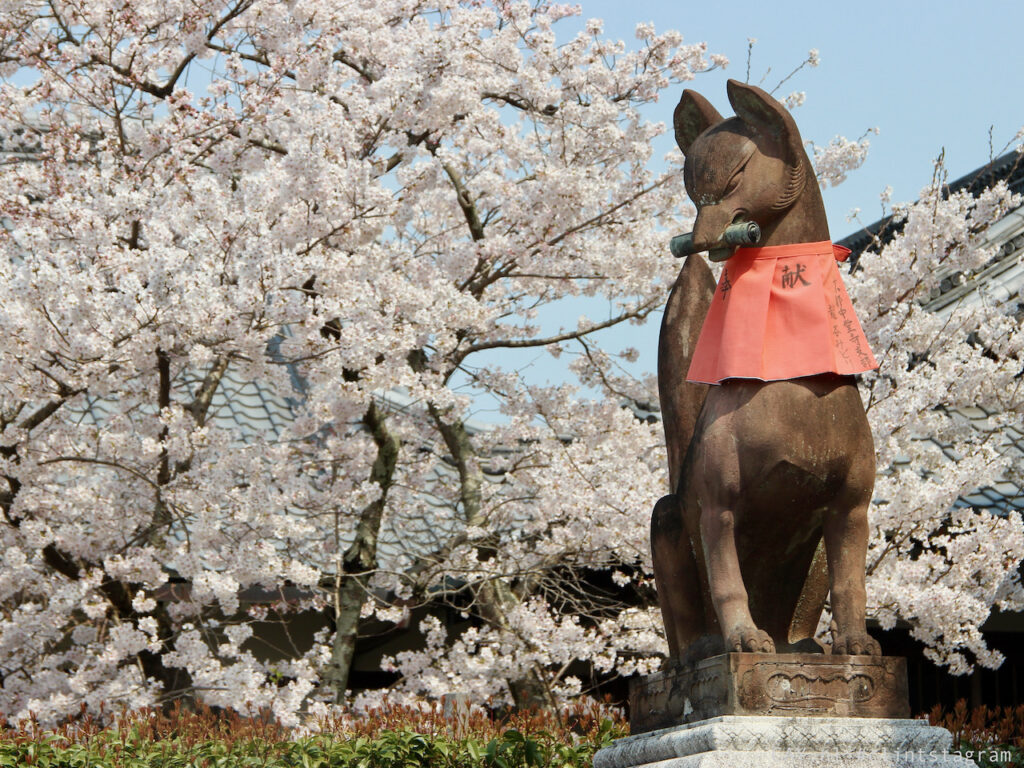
{"x": 931, "y": 77}
{"x": 928, "y": 75}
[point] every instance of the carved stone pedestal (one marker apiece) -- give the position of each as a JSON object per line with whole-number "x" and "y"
{"x": 778, "y": 711}
{"x": 804, "y": 684}
{"x": 787, "y": 742}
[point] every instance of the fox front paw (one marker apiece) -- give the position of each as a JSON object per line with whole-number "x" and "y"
{"x": 855, "y": 644}
{"x": 750, "y": 639}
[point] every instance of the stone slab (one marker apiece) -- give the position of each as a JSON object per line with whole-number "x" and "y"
{"x": 787, "y": 742}
{"x": 786, "y": 684}
{"x": 811, "y": 760}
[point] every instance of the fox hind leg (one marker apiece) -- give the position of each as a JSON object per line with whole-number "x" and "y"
{"x": 676, "y": 573}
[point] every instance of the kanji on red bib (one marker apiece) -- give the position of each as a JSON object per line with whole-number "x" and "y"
{"x": 781, "y": 312}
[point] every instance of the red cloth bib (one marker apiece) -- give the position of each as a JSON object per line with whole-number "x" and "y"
{"x": 781, "y": 312}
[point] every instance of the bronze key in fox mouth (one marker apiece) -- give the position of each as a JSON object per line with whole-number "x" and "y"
{"x": 743, "y": 233}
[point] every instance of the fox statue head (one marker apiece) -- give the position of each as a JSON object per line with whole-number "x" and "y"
{"x": 747, "y": 170}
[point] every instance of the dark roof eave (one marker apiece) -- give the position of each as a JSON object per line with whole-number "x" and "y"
{"x": 1008, "y": 168}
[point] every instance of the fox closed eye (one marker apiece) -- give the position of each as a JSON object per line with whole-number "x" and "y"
{"x": 734, "y": 182}
{"x": 732, "y": 185}
{"x": 737, "y": 175}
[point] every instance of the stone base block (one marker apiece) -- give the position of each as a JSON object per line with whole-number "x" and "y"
{"x": 787, "y": 742}
{"x": 785, "y": 684}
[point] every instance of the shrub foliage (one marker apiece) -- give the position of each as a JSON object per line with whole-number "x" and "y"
{"x": 992, "y": 737}
{"x": 390, "y": 737}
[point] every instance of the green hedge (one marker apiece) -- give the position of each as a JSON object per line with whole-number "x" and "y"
{"x": 392, "y": 738}
{"x": 390, "y": 749}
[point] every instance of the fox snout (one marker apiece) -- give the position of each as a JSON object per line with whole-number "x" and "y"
{"x": 710, "y": 225}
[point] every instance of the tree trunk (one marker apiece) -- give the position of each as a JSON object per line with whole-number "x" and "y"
{"x": 348, "y": 602}
{"x": 494, "y": 597}
{"x": 360, "y": 559}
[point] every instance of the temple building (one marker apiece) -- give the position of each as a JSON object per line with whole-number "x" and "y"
{"x": 1001, "y": 279}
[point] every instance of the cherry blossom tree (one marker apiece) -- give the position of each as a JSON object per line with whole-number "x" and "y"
{"x": 365, "y": 208}
{"x": 337, "y": 201}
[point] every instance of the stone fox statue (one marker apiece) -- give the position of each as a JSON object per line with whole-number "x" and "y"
{"x": 770, "y": 454}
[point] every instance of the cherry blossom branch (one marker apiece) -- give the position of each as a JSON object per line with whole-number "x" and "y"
{"x": 165, "y": 90}
{"x": 639, "y": 313}
{"x": 200, "y": 404}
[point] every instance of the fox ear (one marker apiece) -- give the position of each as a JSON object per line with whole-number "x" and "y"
{"x": 694, "y": 115}
{"x": 766, "y": 116}
{"x": 778, "y": 134}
